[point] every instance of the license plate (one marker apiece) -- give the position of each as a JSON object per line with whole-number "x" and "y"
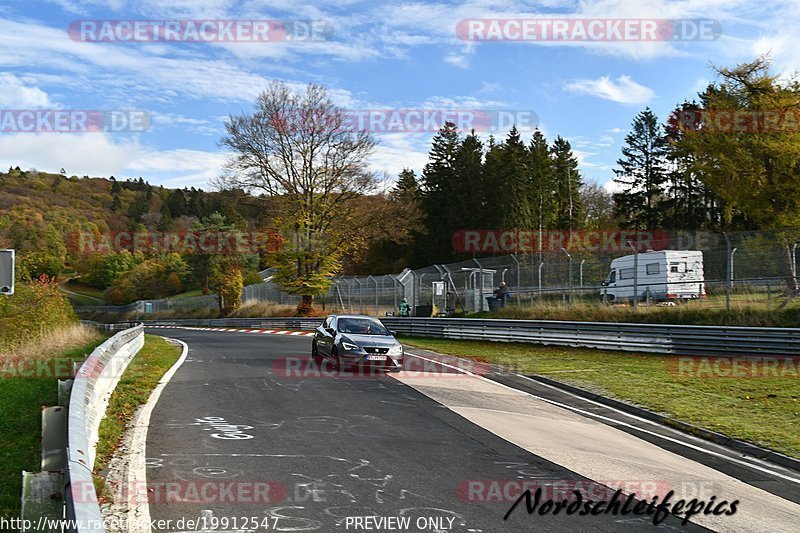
{"x": 376, "y": 358}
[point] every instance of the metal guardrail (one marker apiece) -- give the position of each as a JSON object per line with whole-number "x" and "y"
{"x": 91, "y": 391}
{"x": 109, "y": 328}
{"x": 647, "y": 338}
{"x": 295, "y": 323}
{"x": 650, "y": 338}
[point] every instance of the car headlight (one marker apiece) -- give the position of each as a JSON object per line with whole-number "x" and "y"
{"x": 350, "y": 347}
{"x": 396, "y": 350}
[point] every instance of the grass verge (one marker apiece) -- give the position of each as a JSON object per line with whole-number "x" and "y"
{"x": 762, "y": 410}
{"x": 21, "y": 402}
{"x": 692, "y": 313}
{"x": 134, "y": 388}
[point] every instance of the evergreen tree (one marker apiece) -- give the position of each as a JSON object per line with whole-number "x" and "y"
{"x": 439, "y": 180}
{"x": 541, "y": 186}
{"x": 176, "y": 203}
{"x": 138, "y": 208}
{"x": 642, "y": 174}
{"x": 165, "y": 222}
{"x": 568, "y": 183}
{"x": 507, "y": 179}
{"x": 468, "y": 205}
{"x": 407, "y": 187}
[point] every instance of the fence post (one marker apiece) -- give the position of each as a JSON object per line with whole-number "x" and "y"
{"x": 582, "y": 262}
{"x": 517, "y": 265}
{"x": 569, "y": 256}
{"x": 541, "y": 264}
{"x": 376, "y": 292}
{"x": 769, "y": 296}
{"x": 480, "y": 284}
{"x": 729, "y": 260}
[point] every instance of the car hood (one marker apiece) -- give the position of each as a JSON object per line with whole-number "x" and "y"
{"x": 371, "y": 341}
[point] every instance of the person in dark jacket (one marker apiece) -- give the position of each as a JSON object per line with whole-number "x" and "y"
{"x": 501, "y": 293}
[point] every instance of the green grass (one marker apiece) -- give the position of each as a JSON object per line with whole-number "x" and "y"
{"x": 21, "y": 402}
{"x": 708, "y": 312}
{"x": 86, "y": 290}
{"x": 763, "y": 411}
{"x": 81, "y": 299}
{"x": 187, "y": 294}
{"x": 134, "y": 388}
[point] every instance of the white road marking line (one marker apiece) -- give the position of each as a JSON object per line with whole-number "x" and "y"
{"x": 139, "y": 510}
{"x": 625, "y": 424}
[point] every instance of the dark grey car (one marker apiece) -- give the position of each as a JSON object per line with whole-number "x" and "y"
{"x": 357, "y": 340}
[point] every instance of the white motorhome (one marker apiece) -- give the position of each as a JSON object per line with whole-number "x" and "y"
{"x": 663, "y": 275}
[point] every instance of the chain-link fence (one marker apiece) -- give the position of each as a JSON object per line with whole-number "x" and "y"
{"x": 735, "y": 269}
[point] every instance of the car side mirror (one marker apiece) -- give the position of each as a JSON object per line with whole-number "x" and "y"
{"x": 331, "y": 331}
{"x": 604, "y": 284}
{"x": 392, "y": 333}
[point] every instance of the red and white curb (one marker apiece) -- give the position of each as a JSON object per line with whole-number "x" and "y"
{"x": 233, "y": 330}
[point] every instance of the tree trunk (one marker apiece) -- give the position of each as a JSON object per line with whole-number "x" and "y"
{"x": 306, "y": 305}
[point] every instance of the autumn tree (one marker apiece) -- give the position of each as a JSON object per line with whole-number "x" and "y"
{"x": 302, "y": 148}
{"x": 753, "y": 163}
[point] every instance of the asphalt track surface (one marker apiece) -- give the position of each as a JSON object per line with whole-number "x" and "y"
{"x": 307, "y": 450}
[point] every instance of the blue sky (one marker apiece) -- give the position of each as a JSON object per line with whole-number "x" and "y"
{"x": 380, "y": 55}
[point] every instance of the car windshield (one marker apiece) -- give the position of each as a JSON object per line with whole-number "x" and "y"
{"x": 362, "y": 326}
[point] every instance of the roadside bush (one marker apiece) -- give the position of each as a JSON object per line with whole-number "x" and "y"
{"x": 36, "y": 264}
{"x": 35, "y": 309}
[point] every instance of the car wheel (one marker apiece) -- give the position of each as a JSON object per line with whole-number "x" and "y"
{"x": 315, "y": 354}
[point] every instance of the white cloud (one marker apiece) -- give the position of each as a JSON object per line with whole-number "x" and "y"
{"x": 624, "y": 90}
{"x": 396, "y": 151}
{"x": 94, "y": 154}
{"x": 180, "y": 159}
{"x": 457, "y": 60}
{"x": 612, "y": 187}
{"x": 14, "y": 93}
{"x": 177, "y": 168}
{"x": 98, "y": 154}
{"x": 83, "y": 7}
